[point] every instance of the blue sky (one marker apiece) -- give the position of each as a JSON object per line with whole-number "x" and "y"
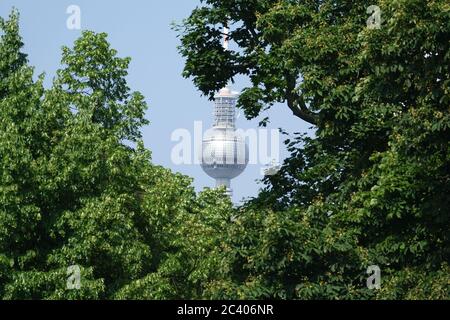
{"x": 141, "y": 29}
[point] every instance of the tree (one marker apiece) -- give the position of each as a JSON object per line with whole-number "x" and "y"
{"x": 78, "y": 187}
{"x": 19, "y": 142}
{"x": 374, "y": 179}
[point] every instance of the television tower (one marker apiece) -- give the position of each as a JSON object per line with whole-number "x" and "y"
{"x": 224, "y": 152}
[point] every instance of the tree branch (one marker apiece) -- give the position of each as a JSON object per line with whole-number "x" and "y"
{"x": 296, "y": 102}
{"x": 306, "y": 116}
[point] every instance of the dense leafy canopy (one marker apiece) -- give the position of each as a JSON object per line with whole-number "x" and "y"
{"x": 77, "y": 186}
{"x": 74, "y": 192}
{"x": 371, "y": 188}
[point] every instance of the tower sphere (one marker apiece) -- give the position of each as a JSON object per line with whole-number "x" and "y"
{"x": 225, "y": 154}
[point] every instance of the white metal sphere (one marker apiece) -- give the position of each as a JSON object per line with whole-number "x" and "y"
{"x": 225, "y": 154}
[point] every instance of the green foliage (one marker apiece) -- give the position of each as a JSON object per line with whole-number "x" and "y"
{"x": 73, "y": 191}
{"x": 77, "y": 186}
{"x": 372, "y": 186}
